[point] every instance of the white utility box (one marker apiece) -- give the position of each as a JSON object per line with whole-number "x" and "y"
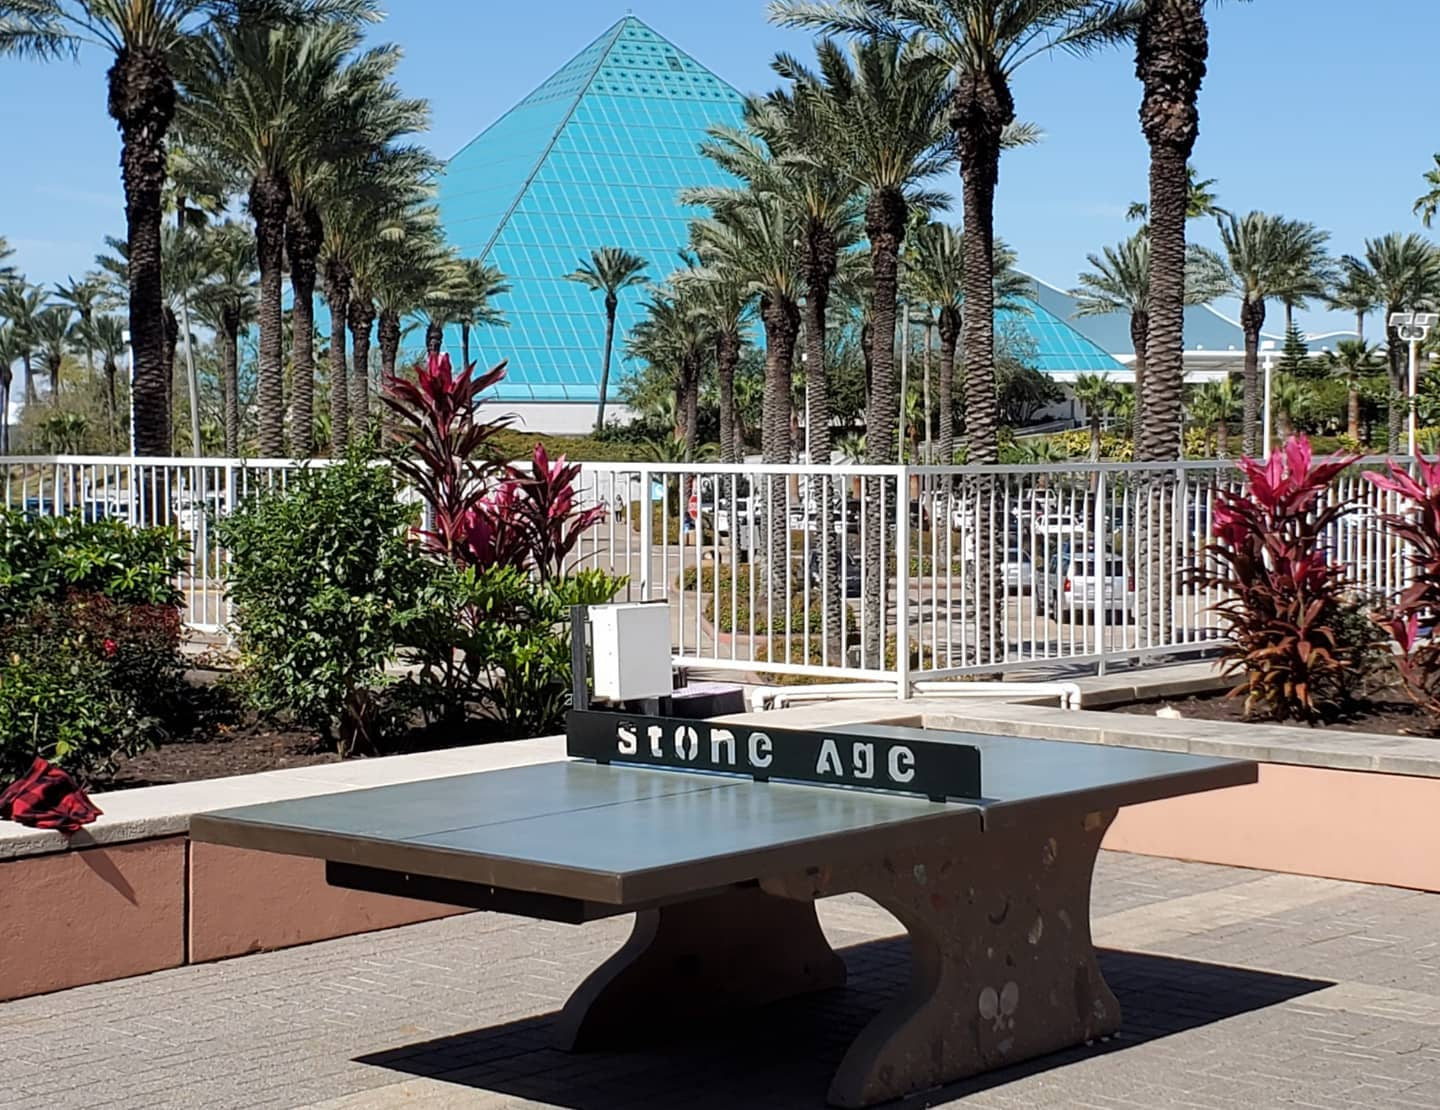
{"x": 630, "y": 644}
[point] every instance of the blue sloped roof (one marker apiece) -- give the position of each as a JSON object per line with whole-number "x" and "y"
{"x": 594, "y": 157}
{"x": 1057, "y": 347}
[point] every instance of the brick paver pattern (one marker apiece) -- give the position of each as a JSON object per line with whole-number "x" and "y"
{"x": 1239, "y": 988}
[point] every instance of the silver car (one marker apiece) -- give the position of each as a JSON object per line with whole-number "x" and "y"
{"x": 1082, "y": 584}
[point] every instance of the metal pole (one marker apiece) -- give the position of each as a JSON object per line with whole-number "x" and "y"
{"x": 904, "y": 379}
{"x": 929, "y": 456}
{"x": 1414, "y": 388}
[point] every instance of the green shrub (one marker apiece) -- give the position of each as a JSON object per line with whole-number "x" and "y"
{"x": 325, "y": 580}
{"x": 496, "y": 641}
{"x": 84, "y": 681}
{"x": 43, "y": 558}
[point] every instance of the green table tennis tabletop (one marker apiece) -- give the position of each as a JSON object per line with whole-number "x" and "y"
{"x": 621, "y": 836}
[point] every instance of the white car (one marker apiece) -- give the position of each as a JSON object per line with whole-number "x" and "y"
{"x": 1082, "y": 584}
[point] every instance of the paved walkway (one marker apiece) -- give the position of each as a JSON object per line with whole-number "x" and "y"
{"x": 1240, "y": 989}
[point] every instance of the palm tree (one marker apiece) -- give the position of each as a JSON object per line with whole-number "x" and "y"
{"x": 756, "y": 237}
{"x": 227, "y": 304}
{"x": 8, "y": 273}
{"x": 1405, "y": 274}
{"x": 482, "y": 284}
{"x": 937, "y": 274}
{"x": 147, "y": 38}
{"x": 363, "y": 207}
{"x": 22, "y": 304}
{"x": 1097, "y": 393}
{"x": 83, "y": 297}
{"x": 1267, "y": 255}
{"x": 1200, "y": 202}
{"x": 410, "y": 272}
{"x": 1119, "y": 281}
{"x": 1213, "y": 406}
{"x": 722, "y": 300}
{"x": 1354, "y": 291}
{"x": 52, "y": 334}
{"x": 1429, "y": 204}
{"x": 270, "y": 104}
{"x": 106, "y": 336}
{"x": 673, "y": 338}
{"x": 1354, "y": 362}
{"x": 983, "y": 43}
{"x": 609, "y": 270}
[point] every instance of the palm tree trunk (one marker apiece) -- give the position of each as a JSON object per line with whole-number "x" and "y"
{"x": 27, "y": 363}
{"x": 302, "y": 242}
{"x": 949, "y": 339}
{"x": 982, "y": 107}
{"x": 337, "y": 295}
{"x": 690, "y": 403}
{"x": 1399, "y": 385}
{"x": 1360, "y": 326}
{"x": 885, "y": 216}
{"x": 1222, "y": 439}
{"x": 362, "y": 323}
{"x": 142, "y": 102}
{"x": 230, "y": 379}
{"x": 389, "y": 353}
{"x": 5, "y": 379}
{"x": 434, "y": 337}
{"x": 781, "y": 320}
{"x": 1164, "y": 371}
{"x": 612, "y": 303}
{"x": 269, "y": 205}
{"x": 1139, "y": 339}
{"x": 1252, "y": 319}
{"x": 464, "y": 343}
{"x": 822, "y": 258}
{"x": 1352, "y": 412}
{"x": 727, "y": 357}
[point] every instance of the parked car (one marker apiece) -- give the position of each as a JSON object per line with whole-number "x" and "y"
{"x": 1082, "y": 583}
{"x": 852, "y": 574}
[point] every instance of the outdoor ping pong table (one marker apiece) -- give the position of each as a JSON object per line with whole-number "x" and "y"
{"x": 723, "y": 872}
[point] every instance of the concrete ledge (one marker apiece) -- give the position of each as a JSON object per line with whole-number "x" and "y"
{"x": 157, "y": 811}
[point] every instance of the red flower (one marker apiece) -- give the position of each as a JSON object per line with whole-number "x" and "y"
{"x": 111, "y": 647}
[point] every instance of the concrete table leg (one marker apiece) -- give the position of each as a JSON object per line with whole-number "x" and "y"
{"x": 1004, "y": 967}
{"x": 694, "y": 959}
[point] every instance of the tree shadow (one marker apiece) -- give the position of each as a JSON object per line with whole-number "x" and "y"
{"x": 785, "y": 1054}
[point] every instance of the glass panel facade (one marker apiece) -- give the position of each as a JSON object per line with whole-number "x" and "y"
{"x": 594, "y": 158}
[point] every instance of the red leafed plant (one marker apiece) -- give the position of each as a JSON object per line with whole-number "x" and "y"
{"x": 1411, "y": 617}
{"x": 1285, "y": 604}
{"x": 549, "y": 510}
{"x": 443, "y": 442}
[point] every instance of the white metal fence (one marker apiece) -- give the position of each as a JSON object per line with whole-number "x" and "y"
{"x": 896, "y": 574}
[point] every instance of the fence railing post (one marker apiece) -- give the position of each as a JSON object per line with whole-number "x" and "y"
{"x": 647, "y": 532}
{"x": 902, "y": 586}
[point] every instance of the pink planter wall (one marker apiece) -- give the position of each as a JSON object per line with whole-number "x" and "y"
{"x": 243, "y": 902}
{"x": 87, "y": 916}
{"x": 1356, "y": 825}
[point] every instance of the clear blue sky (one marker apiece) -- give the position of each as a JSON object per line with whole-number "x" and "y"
{"x": 1312, "y": 108}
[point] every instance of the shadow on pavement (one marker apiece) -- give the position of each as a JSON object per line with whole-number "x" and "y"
{"x": 784, "y": 1055}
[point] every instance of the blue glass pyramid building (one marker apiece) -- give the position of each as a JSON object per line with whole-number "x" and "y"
{"x": 594, "y": 157}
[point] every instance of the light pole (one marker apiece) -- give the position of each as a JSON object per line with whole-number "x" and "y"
{"x": 1269, "y": 348}
{"x": 1413, "y": 327}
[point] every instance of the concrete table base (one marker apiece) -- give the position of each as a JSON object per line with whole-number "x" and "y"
{"x": 1003, "y": 965}
{"x": 695, "y": 959}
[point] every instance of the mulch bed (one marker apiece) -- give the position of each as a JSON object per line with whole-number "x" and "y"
{"x": 1391, "y": 718}
{"x": 221, "y": 739}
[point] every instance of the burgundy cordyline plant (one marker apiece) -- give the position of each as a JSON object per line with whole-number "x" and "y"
{"x": 1411, "y": 618}
{"x": 484, "y": 514}
{"x": 1285, "y": 601}
{"x": 443, "y": 444}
